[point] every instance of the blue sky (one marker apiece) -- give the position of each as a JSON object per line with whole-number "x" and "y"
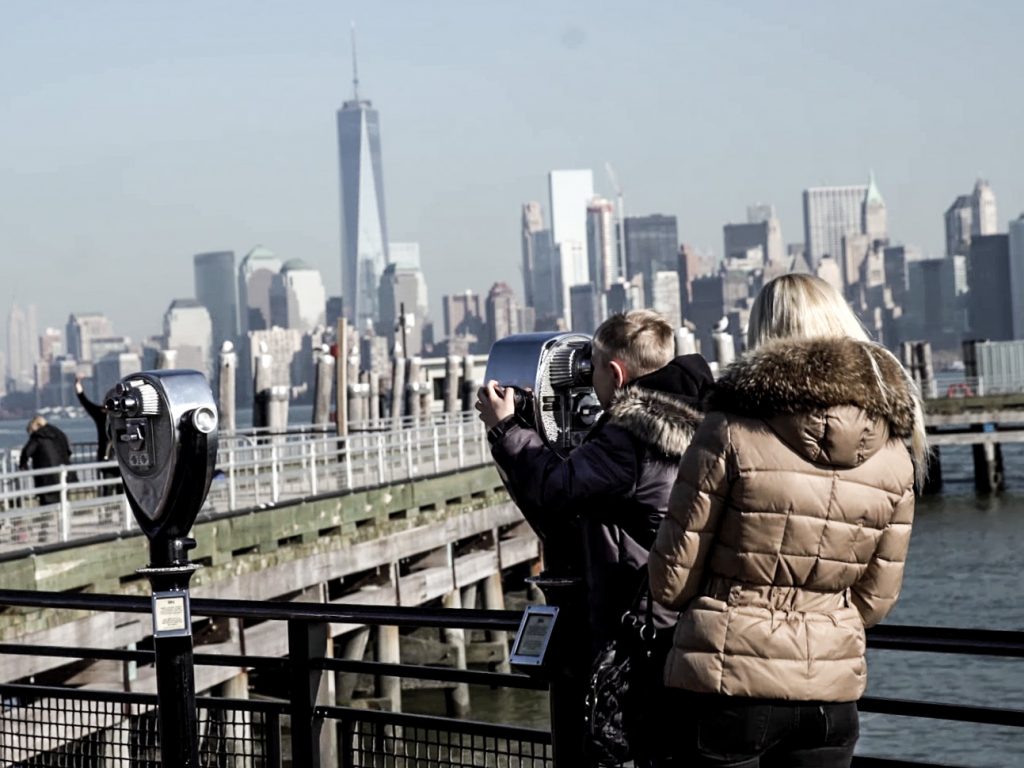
{"x": 137, "y": 134}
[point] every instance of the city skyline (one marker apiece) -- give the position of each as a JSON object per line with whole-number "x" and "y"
{"x": 208, "y": 166}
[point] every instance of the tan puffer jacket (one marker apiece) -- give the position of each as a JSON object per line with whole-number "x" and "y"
{"x": 789, "y": 523}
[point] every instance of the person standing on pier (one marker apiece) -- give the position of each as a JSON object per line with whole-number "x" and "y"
{"x": 104, "y": 450}
{"x": 614, "y": 487}
{"x": 47, "y": 447}
{"x": 786, "y": 535}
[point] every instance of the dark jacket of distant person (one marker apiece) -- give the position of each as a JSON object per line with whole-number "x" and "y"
{"x": 99, "y": 417}
{"x": 47, "y": 446}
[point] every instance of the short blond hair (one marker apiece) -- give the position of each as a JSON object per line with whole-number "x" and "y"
{"x": 801, "y": 306}
{"x": 642, "y": 339}
{"x": 35, "y": 423}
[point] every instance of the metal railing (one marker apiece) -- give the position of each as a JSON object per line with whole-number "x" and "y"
{"x": 47, "y": 723}
{"x": 255, "y": 469}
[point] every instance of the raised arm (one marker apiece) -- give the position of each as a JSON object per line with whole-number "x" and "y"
{"x": 686, "y": 535}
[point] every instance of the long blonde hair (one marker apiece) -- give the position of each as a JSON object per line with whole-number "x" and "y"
{"x": 800, "y": 306}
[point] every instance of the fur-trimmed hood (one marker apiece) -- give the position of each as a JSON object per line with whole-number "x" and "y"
{"x": 797, "y": 377}
{"x": 663, "y": 408}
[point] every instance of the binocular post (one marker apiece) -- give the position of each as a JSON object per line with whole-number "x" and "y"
{"x": 571, "y": 667}
{"x": 169, "y": 573}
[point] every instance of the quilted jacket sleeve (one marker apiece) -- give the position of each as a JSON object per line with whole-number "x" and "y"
{"x": 687, "y": 533}
{"x": 876, "y": 592}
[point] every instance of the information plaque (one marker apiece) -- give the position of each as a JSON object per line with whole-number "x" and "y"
{"x": 172, "y": 614}
{"x": 533, "y": 636}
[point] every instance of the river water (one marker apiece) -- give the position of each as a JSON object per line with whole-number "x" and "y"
{"x": 963, "y": 570}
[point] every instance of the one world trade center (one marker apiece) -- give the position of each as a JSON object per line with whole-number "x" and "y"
{"x": 364, "y": 232}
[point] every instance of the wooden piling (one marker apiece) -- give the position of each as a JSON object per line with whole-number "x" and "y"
{"x": 227, "y": 369}
{"x": 456, "y": 697}
{"x": 322, "y": 388}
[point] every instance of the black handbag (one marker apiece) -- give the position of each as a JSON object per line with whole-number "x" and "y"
{"x": 613, "y": 699}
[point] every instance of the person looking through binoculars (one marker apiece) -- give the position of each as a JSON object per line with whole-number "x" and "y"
{"x": 607, "y": 497}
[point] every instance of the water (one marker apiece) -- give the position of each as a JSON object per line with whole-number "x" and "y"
{"x": 963, "y": 570}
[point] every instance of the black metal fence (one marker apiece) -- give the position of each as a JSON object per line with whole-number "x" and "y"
{"x": 61, "y": 725}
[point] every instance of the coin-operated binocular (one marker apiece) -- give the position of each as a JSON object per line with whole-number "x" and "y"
{"x": 163, "y": 426}
{"x": 551, "y": 374}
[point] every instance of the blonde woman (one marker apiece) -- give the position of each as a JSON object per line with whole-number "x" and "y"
{"x": 786, "y": 534}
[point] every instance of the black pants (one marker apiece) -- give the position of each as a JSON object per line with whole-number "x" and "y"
{"x": 728, "y": 732}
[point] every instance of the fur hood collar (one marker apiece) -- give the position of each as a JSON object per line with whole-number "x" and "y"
{"x": 662, "y": 408}
{"x": 792, "y": 377}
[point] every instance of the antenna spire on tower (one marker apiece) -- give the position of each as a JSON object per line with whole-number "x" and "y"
{"x": 355, "y": 66}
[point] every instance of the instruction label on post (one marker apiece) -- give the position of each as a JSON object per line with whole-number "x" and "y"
{"x": 172, "y": 615}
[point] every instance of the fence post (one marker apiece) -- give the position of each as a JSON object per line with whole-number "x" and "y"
{"x": 307, "y": 642}
{"x": 312, "y": 467}
{"x": 275, "y": 488}
{"x": 437, "y": 451}
{"x": 347, "y": 448}
{"x": 65, "y": 509}
{"x": 231, "y": 478}
{"x": 409, "y": 464}
{"x": 462, "y": 447}
{"x": 380, "y": 458}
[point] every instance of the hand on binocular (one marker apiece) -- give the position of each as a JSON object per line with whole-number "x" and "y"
{"x": 494, "y": 403}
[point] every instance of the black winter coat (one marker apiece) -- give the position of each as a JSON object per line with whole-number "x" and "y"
{"x": 598, "y": 510}
{"x": 46, "y": 447}
{"x": 99, "y": 417}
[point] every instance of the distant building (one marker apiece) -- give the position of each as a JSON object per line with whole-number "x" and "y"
{"x": 652, "y": 245}
{"x": 364, "y": 231}
{"x": 602, "y": 257}
{"x": 335, "y": 308}
{"x": 666, "y": 297}
{"x": 547, "y": 282}
{"x": 403, "y": 286}
{"x": 586, "y": 308}
{"x": 830, "y": 213}
{"x": 690, "y": 267}
{"x": 958, "y": 220}
{"x": 463, "y": 318}
{"x": 829, "y": 271}
{"x": 255, "y": 276}
{"x": 969, "y": 216}
{"x": 21, "y": 347}
{"x": 707, "y": 309}
{"x": 297, "y": 297}
{"x": 896, "y": 260}
{"x": 532, "y": 222}
{"x": 761, "y": 231}
{"x": 113, "y": 367}
{"x": 989, "y": 302}
{"x": 105, "y": 345}
{"x": 874, "y": 219}
{"x": 569, "y": 193}
{"x": 1016, "y": 243}
{"x": 984, "y": 217}
{"x": 503, "y": 313}
{"x": 930, "y": 307}
{"x": 188, "y": 331}
{"x": 216, "y": 288}
{"x": 51, "y": 344}
{"x": 284, "y": 345}
{"x": 81, "y": 329}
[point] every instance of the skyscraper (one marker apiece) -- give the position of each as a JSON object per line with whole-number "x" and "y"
{"x": 255, "y": 275}
{"x": 602, "y": 261}
{"x": 82, "y": 328}
{"x": 652, "y": 245}
{"x": 463, "y": 318}
{"x": 532, "y": 223}
{"x": 958, "y": 225}
{"x": 502, "y": 312}
{"x": 1016, "y": 237}
{"x": 969, "y": 216}
{"x": 984, "y": 219}
{"x": 188, "y": 330}
{"x": 989, "y": 300}
{"x": 21, "y": 346}
{"x": 874, "y": 219}
{"x": 364, "y": 232}
{"x": 829, "y": 214}
{"x": 569, "y": 192}
{"x": 216, "y": 289}
{"x": 297, "y": 297}
{"x": 666, "y": 297}
{"x": 403, "y": 285}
